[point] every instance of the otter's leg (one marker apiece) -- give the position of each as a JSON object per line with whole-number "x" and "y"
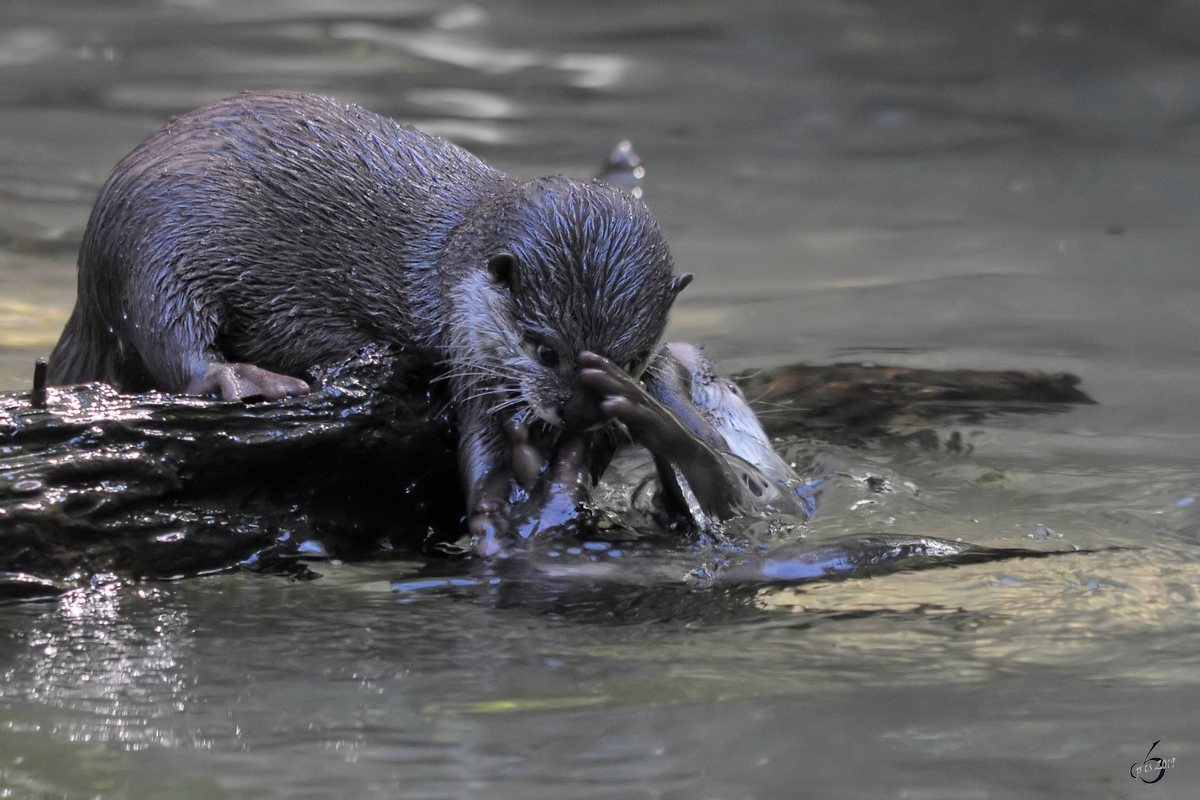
{"x": 497, "y": 458}
{"x": 167, "y": 339}
{"x": 183, "y": 357}
{"x": 484, "y": 460}
{"x": 659, "y": 430}
{"x": 555, "y": 488}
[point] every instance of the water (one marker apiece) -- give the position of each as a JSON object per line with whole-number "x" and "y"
{"x": 1008, "y": 185}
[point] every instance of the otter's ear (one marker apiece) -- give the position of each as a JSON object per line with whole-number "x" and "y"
{"x": 503, "y": 267}
{"x": 679, "y": 283}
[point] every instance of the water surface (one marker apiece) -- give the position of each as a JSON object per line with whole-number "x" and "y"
{"x": 1007, "y": 185}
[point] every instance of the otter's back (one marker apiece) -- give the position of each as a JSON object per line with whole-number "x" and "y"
{"x": 281, "y": 228}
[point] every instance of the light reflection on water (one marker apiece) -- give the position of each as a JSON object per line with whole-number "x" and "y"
{"x": 87, "y": 682}
{"x": 247, "y": 689}
{"x": 985, "y": 186}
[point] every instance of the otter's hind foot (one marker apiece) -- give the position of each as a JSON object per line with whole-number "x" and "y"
{"x": 245, "y": 381}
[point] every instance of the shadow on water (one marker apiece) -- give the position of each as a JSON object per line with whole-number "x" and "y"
{"x": 600, "y": 581}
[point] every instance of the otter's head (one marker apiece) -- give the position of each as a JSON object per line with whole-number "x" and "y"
{"x": 562, "y": 266}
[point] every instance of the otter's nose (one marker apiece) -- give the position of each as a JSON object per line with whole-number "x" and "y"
{"x": 581, "y": 411}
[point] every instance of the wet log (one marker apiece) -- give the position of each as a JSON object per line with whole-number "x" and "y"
{"x": 855, "y": 402}
{"x": 158, "y": 486}
{"x": 155, "y": 486}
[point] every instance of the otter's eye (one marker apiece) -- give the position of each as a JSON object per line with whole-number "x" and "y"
{"x": 547, "y": 356}
{"x": 503, "y": 267}
{"x": 637, "y": 361}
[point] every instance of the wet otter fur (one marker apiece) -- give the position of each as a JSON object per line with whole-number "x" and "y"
{"x": 249, "y": 240}
{"x": 695, "y": 453}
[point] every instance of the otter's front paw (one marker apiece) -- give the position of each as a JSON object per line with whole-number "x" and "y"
{"x": 244, "y": 381}
{"x": 555, "y": 501}
{"x": 489, "y": 510}
{"x": 677, "y": 448}
{"x": 527, "y": 460}
{"x": 624, "y": 399}
{"x": 488, "y": 526}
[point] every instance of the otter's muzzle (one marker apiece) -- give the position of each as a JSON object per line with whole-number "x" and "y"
{"x": 582, "y": 411}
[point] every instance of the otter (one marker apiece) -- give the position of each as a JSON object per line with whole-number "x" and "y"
{"x": 249, "y": 240}
{"x": 696, "y": 453}
{"x": 713, "y": 459}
